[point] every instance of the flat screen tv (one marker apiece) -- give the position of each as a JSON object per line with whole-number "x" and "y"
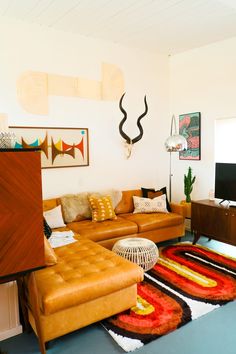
{"x": 225, "y": 181}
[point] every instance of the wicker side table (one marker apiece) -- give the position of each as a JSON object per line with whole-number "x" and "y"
{"x": 138, "y": 250}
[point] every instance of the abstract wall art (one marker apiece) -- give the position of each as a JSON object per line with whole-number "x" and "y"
{"x": 60, "y": 147}
{"x": 190, "y": 128}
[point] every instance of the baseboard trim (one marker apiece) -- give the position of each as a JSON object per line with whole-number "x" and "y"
{"x": 10, "y": 332}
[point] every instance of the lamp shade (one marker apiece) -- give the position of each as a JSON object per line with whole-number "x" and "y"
{"x": 175, "y": 142}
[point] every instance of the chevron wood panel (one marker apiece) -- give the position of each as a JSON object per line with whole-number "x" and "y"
{"x": 21, "y": 215}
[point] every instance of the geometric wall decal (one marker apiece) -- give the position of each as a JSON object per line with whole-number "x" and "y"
{"x": 34, "y": 88}
{"x": 112, "y": 82}
{"x": 60, "y": 147}
{"x": 3, "y": 122}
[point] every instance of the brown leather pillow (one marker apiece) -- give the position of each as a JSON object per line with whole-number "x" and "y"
{"x": 151, "y": 193}
{"x": 50, "y": 255}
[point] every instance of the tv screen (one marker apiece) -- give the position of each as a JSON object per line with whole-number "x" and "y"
{"x": 225, "y": 181}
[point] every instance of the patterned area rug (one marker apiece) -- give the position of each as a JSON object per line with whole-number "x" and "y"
{"x": 187, "y": 282}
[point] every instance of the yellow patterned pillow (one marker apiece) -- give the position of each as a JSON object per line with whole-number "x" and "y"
{"x": 102, "y": 208}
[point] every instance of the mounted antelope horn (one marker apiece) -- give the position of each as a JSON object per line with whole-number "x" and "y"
{"x": 122, "y": 133}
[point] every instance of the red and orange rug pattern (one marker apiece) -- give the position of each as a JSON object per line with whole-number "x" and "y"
{"x": 187, "y": 282}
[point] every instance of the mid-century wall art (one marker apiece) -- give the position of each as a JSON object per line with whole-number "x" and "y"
{"x": 60, "y": 147}
{"x": 190, "y": 128}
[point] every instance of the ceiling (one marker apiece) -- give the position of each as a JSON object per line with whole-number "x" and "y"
{"x": 166, "y": 26}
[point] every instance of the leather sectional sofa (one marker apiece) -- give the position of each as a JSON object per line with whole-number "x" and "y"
{"x": 157, "y": 227}
{"x": 88, "y": 282}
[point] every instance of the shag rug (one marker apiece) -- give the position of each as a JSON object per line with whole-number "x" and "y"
{"x": 187, "y": 282}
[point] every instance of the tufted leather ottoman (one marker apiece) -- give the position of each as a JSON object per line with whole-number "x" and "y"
{"x": 89, "y": 283}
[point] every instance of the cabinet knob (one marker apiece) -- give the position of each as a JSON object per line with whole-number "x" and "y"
{"x": 226, "y": 213}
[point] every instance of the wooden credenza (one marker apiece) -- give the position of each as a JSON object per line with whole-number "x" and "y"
{"x": 214, "y": 220}
{"x": 21, "y": 214}
{"x": 21, "y": 231}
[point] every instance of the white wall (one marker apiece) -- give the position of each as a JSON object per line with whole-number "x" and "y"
{"x": 30, "y": 47}
{"x": 225, "y": 132}
{"x": 203, "y": 80}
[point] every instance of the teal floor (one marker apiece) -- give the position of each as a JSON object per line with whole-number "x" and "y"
{"x": 212, "y": 333}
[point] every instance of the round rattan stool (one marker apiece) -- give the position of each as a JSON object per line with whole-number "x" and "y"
{"x": 138, "y": 250}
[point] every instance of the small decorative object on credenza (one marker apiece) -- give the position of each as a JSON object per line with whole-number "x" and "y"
{"x": 128, "y": 141}
{"x": 7, "y": 138}
{"x": 174, "y": 143}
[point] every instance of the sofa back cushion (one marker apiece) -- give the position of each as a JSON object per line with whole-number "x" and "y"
{"x": 126, "y": 204}
{"x": 49, "y": 204}
{"x": 75, "y": 207}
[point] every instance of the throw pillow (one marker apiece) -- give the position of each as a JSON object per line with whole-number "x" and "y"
{"x": 50, "y": 255}
{"x": 115, "y": 195}
{"x": 151, "y": 193}
{"x": 76, "y": 207}
{"x": 147, "y": 205}
{"x": 54, "y": 217}
{"x": 46, "y": 228}
{"x": 102, "y": 208}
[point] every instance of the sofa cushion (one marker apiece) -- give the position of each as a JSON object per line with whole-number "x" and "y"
{"x": 85, "y": 271}
{"x": 147, "y": 205}
{"x": 46, "y": 229}
{"x": 102, "y": 208}
{"x": 75, "y": 207}
{"x": 126, "y": 204}
{"x": 54, "y": 217}
{"x": 104, "y": 230}
{"x": 148, "y": 222}
{"x": 50, "y": 256}
{"x": 152, "y": 193}
{"x": 50, "y": 203}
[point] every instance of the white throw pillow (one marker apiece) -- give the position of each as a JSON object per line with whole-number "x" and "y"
{"x": 147, "y": 205}
{"x": 54, "y": 217}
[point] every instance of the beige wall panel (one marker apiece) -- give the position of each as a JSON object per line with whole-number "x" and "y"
{"x": 59, "y": 85}
{"x": 32, "y": 92}
{"x": 3, "y": 122}
{"x": 33, "y": 88}
{"x": 90, "y": 89}
{"x": 113, "y": 85}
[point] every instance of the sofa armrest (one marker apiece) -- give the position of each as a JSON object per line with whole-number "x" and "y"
{"x": 178, "y": 209}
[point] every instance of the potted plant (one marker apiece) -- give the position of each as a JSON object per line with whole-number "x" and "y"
{"x": 188, "y": 188}
{"x": 188, "y": 185}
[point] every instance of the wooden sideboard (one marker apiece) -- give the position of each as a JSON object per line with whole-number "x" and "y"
{"x": 214, "y": 220}
{"x": 21, "y": 229}
{"x": 21, "y": 214}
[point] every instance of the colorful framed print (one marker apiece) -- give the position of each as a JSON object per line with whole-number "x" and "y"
{"x": 190, "y": 128}
{"x": 60, "y": 147}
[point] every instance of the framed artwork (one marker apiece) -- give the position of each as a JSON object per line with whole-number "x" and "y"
{"x": 190, "y": 128}
{"x": 60, "y": 147}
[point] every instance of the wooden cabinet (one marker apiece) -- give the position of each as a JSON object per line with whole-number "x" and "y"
{"x": 209, "y": 218}
{"x": 9, "y": 320}
{"x": 21, "y": 215}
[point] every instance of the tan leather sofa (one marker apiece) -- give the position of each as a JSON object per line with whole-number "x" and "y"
{"x": 89, "y": 282}
{"x": 156, "y": 226}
